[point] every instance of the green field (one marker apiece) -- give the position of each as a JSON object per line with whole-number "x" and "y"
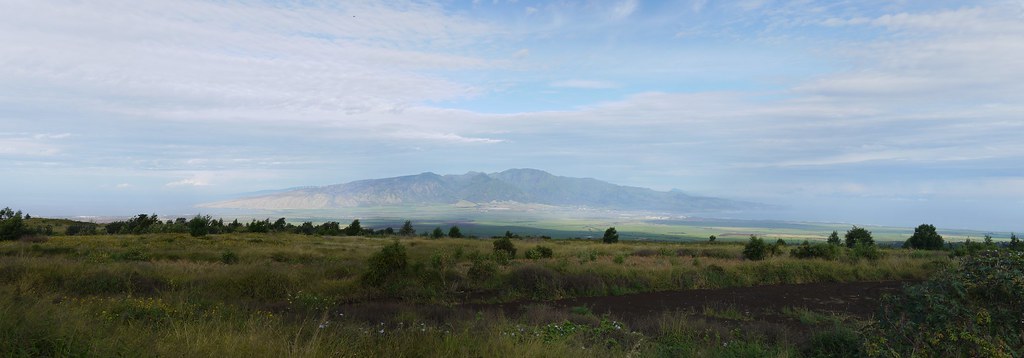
{"x": 247, "y": 294}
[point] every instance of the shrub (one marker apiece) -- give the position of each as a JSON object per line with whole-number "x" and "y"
{"x": 858, "y": 235}
{"x": 12, "y": 227}
{"x": 866, "y": 251}
{"x": 620, "y": 259}
{"x": 80, "y": 229}
{"x": 971, "y": 310}
{"x": 505, "y": 245}
{"x": 836, "y": 342}
{"x": 229, "y": 258}
{"x": 925, "y": 238}
{"x": 199, "y": 226}
{"x": 539, "y": 252}
{"x": 539, "y": 281}
{"x": 482, "y": 269}
{"x": 389, "y": 262}
{"x": 611, "y": 236}
{"x": 755, "y": 249}
{"x": 821, "y": 251}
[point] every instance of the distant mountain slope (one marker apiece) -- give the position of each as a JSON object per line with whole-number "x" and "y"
{"x": 529, "y": 186}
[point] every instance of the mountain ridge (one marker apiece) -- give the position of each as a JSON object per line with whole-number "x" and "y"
{"x": 522, "y": 185}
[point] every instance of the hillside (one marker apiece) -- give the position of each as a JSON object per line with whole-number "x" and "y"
{"x": 529, "y": 186}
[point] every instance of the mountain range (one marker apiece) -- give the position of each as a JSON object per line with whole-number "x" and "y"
{"x": 526, "y": 186}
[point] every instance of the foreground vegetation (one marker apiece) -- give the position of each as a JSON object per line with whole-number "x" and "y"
{"x": 278, "y": 294}
{"x": 285, "y": 293}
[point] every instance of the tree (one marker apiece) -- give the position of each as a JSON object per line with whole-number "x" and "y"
{"x": 407, "y": 229}
{"x": 611, "y": 236}
{"x": 755, "y": 249}
{"x": 1015, "y": 242}
{"x": 354, "y": 228}
{"x": 454, "y": 232}
{"x": 437, "y": 233}
{"x": 833, "y": 239}
{"x": 279, "y": 225}
{"x": 712, "y": 238}
{"x": 199, "y": 225}
{"x": 505, "y": 245}
{"x": 858, "y": 235}
{"x": 306, "y": 228}
{"x": 925, "y": 237}
{"x": 11, "y": 225}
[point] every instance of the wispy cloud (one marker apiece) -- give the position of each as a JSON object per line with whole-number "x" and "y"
{"x": 584, "y": 84}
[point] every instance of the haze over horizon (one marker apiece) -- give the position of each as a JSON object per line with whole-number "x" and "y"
{"x": 867, "y": 112}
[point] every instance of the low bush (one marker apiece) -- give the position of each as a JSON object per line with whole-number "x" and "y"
{"x": 973, "y": 310}
{"x": 505, "y": 245}
{"x": 755, "y": 249}
{"x": 539, "y": 252}
{"x": 865, "y": 251}
{"x": 816, "y": 251}
{"x": 535, "y": 280}
{"x": 388, "y": 263}
{"x": 836, "y": 342}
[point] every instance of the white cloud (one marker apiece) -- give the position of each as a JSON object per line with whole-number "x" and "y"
{"x": 444, "y": 138}
{"x": 351, "y": 57}
{"x": 584, "y": 84}
{"x": 188, "y": 182}
{"x": 624, "y": 8}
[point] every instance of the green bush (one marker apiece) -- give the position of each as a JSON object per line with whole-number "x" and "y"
{"x": 755, "y": 249}
{"x": 821, "y": 251}
{"x": 482, "y": 269}
{"x": 229, "y": 257}
{"x": 836, "y": 342}
{"x": 388, "y": 263}
{"x": 539, "y": 252}
{"x": 863, "y": 250}
{"x": 505, "y": 245}
{"x": 973, "y": 310}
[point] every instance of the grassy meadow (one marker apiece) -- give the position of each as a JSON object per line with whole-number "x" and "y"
{"x": 267, "y": 294}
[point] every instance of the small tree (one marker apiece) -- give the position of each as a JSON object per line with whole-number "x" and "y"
{"x": 407, "y": 229}
{"x": 12, "y": 227}
{"x": 712, "y": 238}
{"x": 199, "y": 226}
{"x": 353, "y": 229}
{"x": 755, "y": 249}
{"x": 1015, "y": 242}
{"x": 833, "y": 238}
{"x": 505, "y": 245}
{"x": 611, "y": 236}
{"x": 437, "y": 233}
{"x": 390, "y": 262}
{"x": 858, "y": 235}
{"x": 925, "y": 238}
{"x": 454, "y": 232}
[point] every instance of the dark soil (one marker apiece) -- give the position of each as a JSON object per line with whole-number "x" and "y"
{"x": 857, "y": 300}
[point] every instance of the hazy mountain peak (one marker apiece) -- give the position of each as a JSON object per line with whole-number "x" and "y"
{"x": 523, "y": 185}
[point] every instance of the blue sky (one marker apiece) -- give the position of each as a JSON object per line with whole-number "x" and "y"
{"x": 868, "y": 112}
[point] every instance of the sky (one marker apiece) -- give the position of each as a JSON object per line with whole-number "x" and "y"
{"x": 866, "y": 112}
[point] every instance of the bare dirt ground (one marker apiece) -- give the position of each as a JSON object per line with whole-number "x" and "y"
{"x": 857, "y": 300}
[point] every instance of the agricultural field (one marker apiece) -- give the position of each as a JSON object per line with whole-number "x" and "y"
{"x": 277, "y": 294}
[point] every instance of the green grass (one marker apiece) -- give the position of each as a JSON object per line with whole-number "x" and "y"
{"x": 278, "y": 295}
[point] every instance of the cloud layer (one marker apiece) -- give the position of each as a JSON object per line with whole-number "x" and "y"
{"x": 851, "y": 104}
